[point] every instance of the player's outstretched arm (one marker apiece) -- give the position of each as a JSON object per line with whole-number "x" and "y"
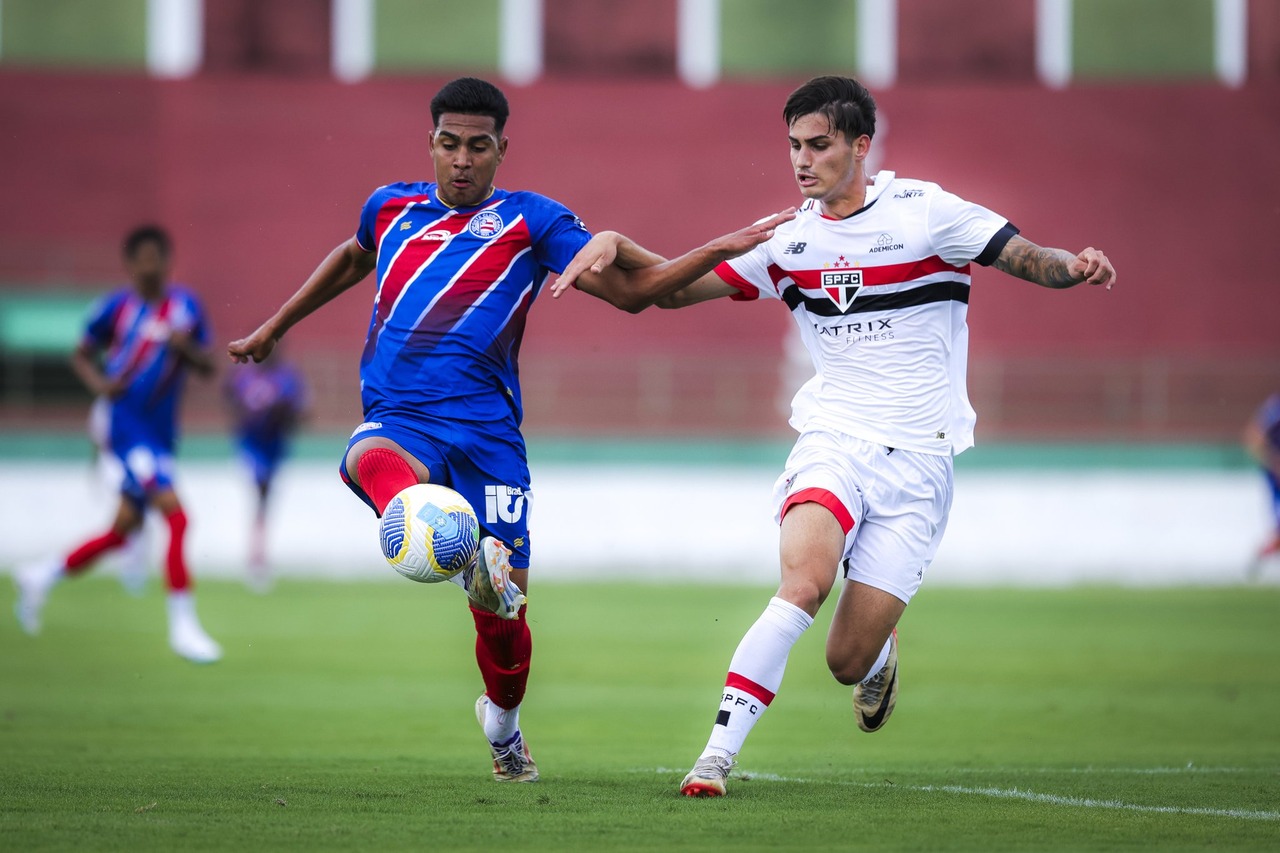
{"x": 615, "y": 269}
{"x": 345, "y": 266}
{"x": 1056, "y": 268}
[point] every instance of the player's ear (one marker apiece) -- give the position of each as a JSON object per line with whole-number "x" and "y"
{"x": 502, "y": 148}
{"x": 862, "y": 146}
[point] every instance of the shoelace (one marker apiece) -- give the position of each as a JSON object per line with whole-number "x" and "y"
{"x": 873, "y": 689}
{"x": 511, "y": 758}
{"x": 714, "y": 763}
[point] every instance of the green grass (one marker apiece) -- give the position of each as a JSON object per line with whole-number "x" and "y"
{"x": 341, "y": 718}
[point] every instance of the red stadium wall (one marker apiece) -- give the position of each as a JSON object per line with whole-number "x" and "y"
{"x": 259, "y": 178}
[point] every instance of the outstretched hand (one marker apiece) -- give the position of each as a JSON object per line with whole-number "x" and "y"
{"x": 742, "y": 241}
{"x": 1092, "y": 267}
{"x": 600, "y": 252}
{"x": 257, "y": 346}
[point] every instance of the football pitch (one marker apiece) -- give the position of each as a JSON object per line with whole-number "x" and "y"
{"x": 341, "y": 718}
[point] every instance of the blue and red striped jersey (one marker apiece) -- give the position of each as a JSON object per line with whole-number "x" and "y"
{"x": 454, "y": 290}
{"x": 133, "y": 335}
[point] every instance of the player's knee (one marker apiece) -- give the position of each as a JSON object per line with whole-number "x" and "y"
{"x": 849, "y": 669}
{"x": 803, "y": 593}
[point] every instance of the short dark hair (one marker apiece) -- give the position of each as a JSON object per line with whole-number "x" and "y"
{"x": 471, "y": 96}
{"x": 143, "y": 234}
{"x": 845, "y": 102}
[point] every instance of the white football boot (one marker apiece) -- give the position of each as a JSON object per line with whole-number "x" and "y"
{"x": 186, "y": 636}
{"x": 511, "y": 760}
{"x": 34, "y": 583}
{"x": 488, "y": 580}
{"x": 707, "y": 777}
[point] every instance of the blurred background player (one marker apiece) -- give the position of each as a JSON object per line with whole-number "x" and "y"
{"x": 1262, "y": 440}
{"x": 138, "y": 346}
{"x": 875, "y": 272}
{"x": 459, "y": 262}
{"x": 267, "y": 402}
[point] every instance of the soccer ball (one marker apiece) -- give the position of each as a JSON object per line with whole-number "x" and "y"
{"x": 429, "y": 533}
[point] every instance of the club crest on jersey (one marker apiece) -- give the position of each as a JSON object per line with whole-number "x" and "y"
{"x": 841, "y": 286}
{"x": 486, "y": 223}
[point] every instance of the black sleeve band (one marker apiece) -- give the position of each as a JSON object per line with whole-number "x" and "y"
{"x": 996, "y": 244}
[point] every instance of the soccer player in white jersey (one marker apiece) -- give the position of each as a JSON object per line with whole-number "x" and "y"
{"x": 876, "y": 273}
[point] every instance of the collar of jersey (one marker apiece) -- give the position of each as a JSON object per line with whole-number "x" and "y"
{"x": 879, "y": 184}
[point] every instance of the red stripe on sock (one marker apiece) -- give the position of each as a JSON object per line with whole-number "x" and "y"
{"x": 503, "y": 649}
{"x": 746, "y": 685}
{"x": 383, "y": 474}
{"x": 79, "y": 559}
{"x": 176, "y": 565}
{"x": 822, "y": 497}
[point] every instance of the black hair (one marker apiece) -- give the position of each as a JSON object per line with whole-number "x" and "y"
{"x": 845, "y": 102}
{"x": 135, "y": 239}
{"x": 471, "y": 96}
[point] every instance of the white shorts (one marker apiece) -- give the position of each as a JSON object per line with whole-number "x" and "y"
{"x": 892, "y": 504}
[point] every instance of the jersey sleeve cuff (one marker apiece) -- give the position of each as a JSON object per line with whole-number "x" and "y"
{"x": 746, "y": 290}
{"x": 361, "y": 245}
{"x": 996, "y": 244}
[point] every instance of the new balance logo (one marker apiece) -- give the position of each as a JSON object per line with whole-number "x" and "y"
{"x": 405, "y": 226}
{"x": 794, "y": 249}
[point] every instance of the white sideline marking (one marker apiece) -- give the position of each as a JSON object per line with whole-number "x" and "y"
{"x": 1036, "y": 797}
{"x": 1084, "y": 802}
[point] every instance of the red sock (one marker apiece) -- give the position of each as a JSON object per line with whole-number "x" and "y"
{"x": 179, "y": 578}
{"x": 503, "y": 648}
{"x": 383, "y": 474}
{"x": 79, "y": 559}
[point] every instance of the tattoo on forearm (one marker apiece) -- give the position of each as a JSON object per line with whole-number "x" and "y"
{"x": 1047, "y": 267}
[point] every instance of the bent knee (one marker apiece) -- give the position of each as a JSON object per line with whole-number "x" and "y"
{"x": 850, "y": 670}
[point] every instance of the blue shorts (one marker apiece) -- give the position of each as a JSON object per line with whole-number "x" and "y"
{"x": 262, "y": 458}
{"x": 485, "y": 466}
{"x": 148, "y": 468}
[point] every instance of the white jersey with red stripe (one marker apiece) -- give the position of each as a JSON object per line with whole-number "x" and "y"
{"x": 881, "y": 298}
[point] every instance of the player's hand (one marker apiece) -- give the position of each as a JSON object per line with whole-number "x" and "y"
{"x": 111, "y": 388}
{"x": 743, "y": 241}
{"x": 600, "y": 252}
{"x": 1092, "y": 267}
{"x": 257, "y": 346}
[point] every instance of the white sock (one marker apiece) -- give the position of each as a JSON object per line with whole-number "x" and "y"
{"x": 500, "y": 724}
{"x": 755, "y": 673}
{"x": 182, "y": 608}
{"x": 880, "y": 661}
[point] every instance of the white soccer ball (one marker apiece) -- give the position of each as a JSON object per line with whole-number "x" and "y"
{"x": 429, "y": 533}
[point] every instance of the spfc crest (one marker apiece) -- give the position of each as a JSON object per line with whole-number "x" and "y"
{"x": 841, "y": 286}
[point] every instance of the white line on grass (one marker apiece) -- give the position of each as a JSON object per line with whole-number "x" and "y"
{"x": 1034, "y": 796}
{"x": 1084, "y": 802}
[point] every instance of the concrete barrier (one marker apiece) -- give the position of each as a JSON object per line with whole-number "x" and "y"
{"x": 662, "y": 523}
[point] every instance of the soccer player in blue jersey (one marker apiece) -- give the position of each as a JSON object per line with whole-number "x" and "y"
{"x": 459, "y": 262}
{"x": 1262, "y": 440}
{"x": 138, "y": 346}
{"x": 267, "y": 401}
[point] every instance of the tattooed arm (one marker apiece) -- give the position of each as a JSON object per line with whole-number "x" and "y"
{"x": 1054, "y": 268}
